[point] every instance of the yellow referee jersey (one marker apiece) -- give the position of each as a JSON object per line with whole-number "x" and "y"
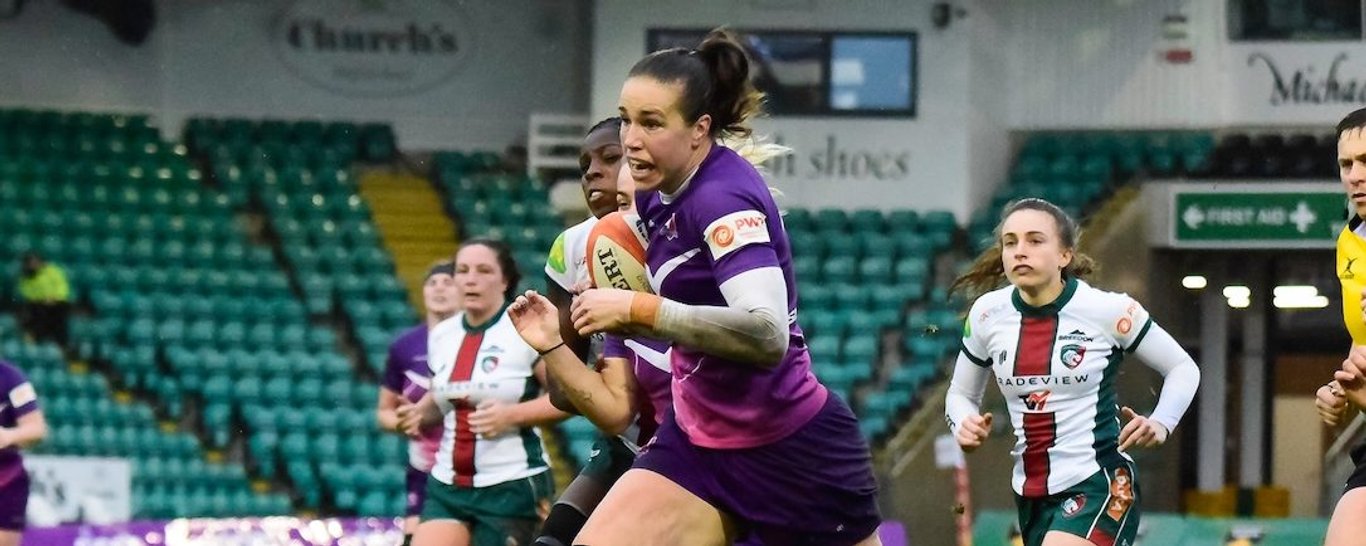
{"x": 1352, "y": 275}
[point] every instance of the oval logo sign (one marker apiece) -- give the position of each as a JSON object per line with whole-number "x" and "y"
{"x": 372, "y": 48}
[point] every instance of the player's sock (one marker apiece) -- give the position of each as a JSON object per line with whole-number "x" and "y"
{"x": 560, "y": 527}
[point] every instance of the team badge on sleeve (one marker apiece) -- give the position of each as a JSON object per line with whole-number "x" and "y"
{"x": 556, "y": 257}
{"x": 735, "y": 230}
{"x": 22, "y": 395}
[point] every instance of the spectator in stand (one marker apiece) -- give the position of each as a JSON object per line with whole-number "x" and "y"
{"x": 45, "y": 299}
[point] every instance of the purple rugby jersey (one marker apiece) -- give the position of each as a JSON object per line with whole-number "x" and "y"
{"x": 17, "y": 399}
{"x": 649, "y": 360}
{"x": 723, "y": 223}
{"x": 407, "y": 373}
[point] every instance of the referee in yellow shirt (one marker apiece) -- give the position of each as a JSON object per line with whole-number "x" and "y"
{"x": 1348, "y": 388}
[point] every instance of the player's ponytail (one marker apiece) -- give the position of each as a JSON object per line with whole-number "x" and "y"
{"x": 987, "y": 272}
{"x": 733, "y": 100}
{"x": 715, "y": 80}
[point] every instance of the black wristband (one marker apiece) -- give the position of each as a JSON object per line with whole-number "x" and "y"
{"x": 548, "y": 351}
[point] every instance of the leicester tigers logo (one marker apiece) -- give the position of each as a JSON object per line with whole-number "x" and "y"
{"x": 1072, "y": 355}
{"x": 1073, "y": 505}
{"x": 489, "y": 364}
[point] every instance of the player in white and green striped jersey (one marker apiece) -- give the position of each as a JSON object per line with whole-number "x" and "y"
{"x": 1055, "y": 344}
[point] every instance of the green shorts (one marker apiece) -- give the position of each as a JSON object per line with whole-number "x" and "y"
{"x": 608, "y": 460}
{"x": 1102, "y": 509}
{"x": 506, "y": 513}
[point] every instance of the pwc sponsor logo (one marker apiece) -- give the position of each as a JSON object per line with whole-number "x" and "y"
{"x": 372, "y": 48}
{"x": 735, "y": 230}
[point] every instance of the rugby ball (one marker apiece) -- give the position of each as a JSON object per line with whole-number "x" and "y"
{"x": 616, "y": 253}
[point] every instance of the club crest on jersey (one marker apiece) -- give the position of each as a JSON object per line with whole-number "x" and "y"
{"x": 1073, "y": 505}
{"x": 1072, "y": 355}
{"x": 671, "y": 228}
{"x": 1035, "y": 401}
{"x": 1347, "y": 271}
{"x": 488, "y": 364}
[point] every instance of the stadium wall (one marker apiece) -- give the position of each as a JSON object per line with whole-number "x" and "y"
{"x": 445, "y": 74}
{"x": 1124, "y": 65}
{"x": 937, "y": 146}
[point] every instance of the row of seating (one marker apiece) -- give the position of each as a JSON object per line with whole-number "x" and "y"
{"x": 370, "y": 141}
{"x": 216, "y": 306}
{"x": 155, "y": 165}
{"x": 29, "y": 121}
{"x": 182, "y": 501}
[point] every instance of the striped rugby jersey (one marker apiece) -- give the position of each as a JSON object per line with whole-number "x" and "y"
{"x": 471, "y": 365}
{"x": 1056, "y": 367}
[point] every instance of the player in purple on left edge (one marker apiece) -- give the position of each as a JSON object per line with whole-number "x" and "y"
{"x": 407, "y": 377}
{"x": 21, "y": 425}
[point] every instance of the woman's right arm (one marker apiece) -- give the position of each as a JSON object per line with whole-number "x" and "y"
{"x": 561, "y": 299}
{"x": 420, "y": 416}
{"x": 386, "y": 409}
{"x": 606, "y": 397}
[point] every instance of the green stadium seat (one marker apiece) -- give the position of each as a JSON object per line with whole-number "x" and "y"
{"x": 806, "y": 268}
{"x": 912, "y": 270}
{"x": 875, "y": 270}
{"x": 831, "y": 219}
{"x": 355, "y": 449}
{"x": 374, "y": 504}
{"x": 823, "y": 323}
{"x": 911, "y": 376}
{"x": 824, "y": 348}
{"x": 308, "y": 392}
{"x": 860, "y": 347}
{"x": 885, "y": 403}
{"x": 865, "y": 323}
{"x": 877, "y": 245}
{"x": 852, "y": 296}
{"x": 867, "y": 221}
{"x": 873, "y": 427}
{"x": 839, "y": 269}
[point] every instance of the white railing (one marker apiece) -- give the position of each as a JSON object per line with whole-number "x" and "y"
{"x": 549, "y": 139}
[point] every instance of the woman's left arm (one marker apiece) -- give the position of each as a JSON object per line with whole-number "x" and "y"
{"x": 752, "y": 327}
{"x": 1180, "y": 376}
{"x": 29, "y": 429}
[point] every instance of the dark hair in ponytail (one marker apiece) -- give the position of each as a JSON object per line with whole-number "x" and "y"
{"x": 715, "y": 79}
{"x": 988, "y": 271}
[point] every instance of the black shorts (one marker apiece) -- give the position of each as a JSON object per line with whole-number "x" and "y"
{"x": 1358, "y": 477}
{"x": 609, "y": 459}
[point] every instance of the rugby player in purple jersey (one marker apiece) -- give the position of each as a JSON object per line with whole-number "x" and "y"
{"x": 754, "y": 444}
